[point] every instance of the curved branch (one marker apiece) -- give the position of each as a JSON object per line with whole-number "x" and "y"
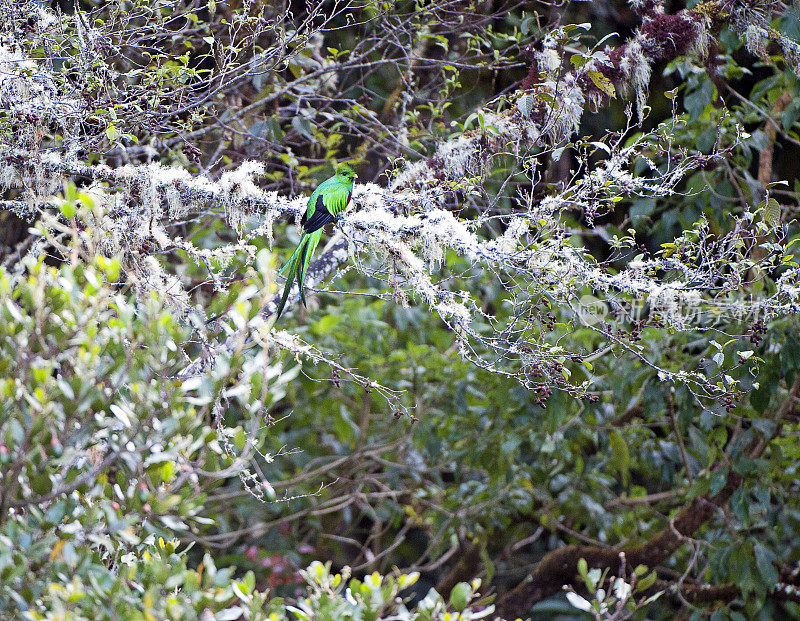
{"x": 560, "y": 567}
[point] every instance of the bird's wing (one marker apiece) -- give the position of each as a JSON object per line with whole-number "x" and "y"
{"x": 330, "y": 202}
{"x": 311, "y": 206}
{"x": 316, "y": 218}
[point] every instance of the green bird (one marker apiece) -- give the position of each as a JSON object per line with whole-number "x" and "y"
{"x": 325, "y": 204}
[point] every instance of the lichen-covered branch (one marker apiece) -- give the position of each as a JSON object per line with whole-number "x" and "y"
{"x": 407, "y": 226}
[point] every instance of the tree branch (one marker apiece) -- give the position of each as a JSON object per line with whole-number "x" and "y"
{"x": 559, "y": 567}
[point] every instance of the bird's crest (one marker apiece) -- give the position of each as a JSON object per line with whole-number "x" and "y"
{"x": 346, "y": 171}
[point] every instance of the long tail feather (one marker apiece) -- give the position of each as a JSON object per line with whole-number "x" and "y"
{"x": 300, "y": 273}
{"x": 292, "y": 258}
{"x": 290, "y": 269}
{"x": 296, "y": 268}
{"x": 304, "y": 260}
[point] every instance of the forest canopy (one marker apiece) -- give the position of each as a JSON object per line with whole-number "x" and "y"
{"x": 546, "y": 363}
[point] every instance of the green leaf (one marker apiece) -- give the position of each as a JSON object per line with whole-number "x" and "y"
{"x": 791, "y": 114}
{"x": 250, "y": 581}
{"x": 603, "y": 83}
{"x": 764, "y": 562}
{"x": 240, "y": 439}
{"x": 718, "y": 480}
{"x": 696, "y": 101}
{"x": 707, "y": 139}
{"x": 111, "y": 132}
{"x": 646, "y": 582}
{"x": 460, "y": 596}
{"x": 68, "y": 209}
{"x": 772, "y": 212}
{"x": 303, "y": 127}
{"x": 620, "y": 455}
{"x": 525, "y": 105}
{"x": 588, "y": 578}
{"x": 768, "y": 378}
{"x": 583, "y": 568}
{"x": 41, "y": 484}
{"x": 577, "y": 60}
{"x": 167, "y": 470}
{"x": 327, "y": 324}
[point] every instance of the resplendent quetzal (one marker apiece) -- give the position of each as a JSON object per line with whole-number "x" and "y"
{"x": 325, "y": 204}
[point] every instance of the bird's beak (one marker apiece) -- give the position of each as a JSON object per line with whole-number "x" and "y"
{"x": 355, "y": 176}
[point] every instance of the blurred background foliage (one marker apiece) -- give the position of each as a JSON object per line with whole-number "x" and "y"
{"x": 128, "y": 494}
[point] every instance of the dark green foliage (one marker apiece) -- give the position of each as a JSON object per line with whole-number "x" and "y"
{"x": 363, "y": 440}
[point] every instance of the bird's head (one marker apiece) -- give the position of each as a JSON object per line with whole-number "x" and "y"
{"x": 345, "y": 173}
